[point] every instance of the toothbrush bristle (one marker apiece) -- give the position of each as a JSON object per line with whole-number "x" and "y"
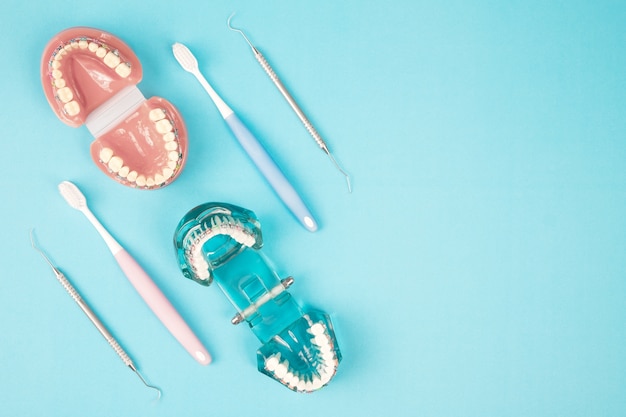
{"x": 72, "y": 195}
{"x": 184, "y": 57}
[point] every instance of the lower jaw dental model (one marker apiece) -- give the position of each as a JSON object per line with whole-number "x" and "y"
{"x": 221, "y": 242}
{"x": 90, "y": 77}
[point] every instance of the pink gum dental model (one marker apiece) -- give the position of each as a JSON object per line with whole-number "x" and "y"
{"x": 90, "y": 77}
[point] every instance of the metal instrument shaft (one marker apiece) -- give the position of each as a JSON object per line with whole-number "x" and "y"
{"x": 292, "y": 102}
{"x": 69, "y": 288}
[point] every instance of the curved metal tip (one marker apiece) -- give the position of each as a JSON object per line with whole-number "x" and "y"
{"x": 158, "y": 390}
{"x": 239, "y": 30}
{"x": 229, "y": 19}
{"x": 34, "y": 245}
{"x": 345, "y": 174}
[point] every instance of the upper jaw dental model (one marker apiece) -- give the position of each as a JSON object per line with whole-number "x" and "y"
{"x": 90, "y": 77}
{"x": 221, "y": 242}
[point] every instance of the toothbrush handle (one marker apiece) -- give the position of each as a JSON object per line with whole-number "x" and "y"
{"x": 161, "y": 307}
{"x": 271, "y": 172}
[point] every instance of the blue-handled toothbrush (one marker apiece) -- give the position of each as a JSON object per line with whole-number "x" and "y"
{"x": 250, "y": 144}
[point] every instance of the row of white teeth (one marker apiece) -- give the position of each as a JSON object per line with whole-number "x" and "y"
{"x": 116, "y": 164}
{"x": 109, "y": 56}
{"x": 325, "y": 370}
{"x": 219, "y": 225}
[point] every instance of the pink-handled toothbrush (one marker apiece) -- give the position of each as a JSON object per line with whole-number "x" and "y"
{"x": 144, "y": 285}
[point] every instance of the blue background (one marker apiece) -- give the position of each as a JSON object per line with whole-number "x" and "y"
{"x": 477, "y": 269}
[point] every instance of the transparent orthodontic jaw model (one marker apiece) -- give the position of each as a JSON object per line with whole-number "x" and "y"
{"x": 221, "y": 242}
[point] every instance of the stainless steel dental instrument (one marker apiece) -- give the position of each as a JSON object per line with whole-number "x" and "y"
{"x": 292, "y": 102}
{"x": 257, "y": 153}
{"x": 92, "y": 316}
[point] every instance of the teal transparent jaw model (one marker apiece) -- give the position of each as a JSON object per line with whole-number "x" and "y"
{"x": 221, "y": 242}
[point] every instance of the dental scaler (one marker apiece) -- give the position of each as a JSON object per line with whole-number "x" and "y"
{"x": 221, "y": 242}
{"x": 291, "y": 101}
{"x": 69, "y": 288}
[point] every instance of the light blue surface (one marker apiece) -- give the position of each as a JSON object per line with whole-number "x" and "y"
{"x": 478, "y": 269}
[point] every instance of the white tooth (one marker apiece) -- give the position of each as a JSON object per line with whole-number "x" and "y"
{"x": 93, "y": 47}
{"x": 141, "y": 180}
{"x": 169, "y": 136}
{"x": 172, "y": 165}
{"x": 74, "y": 44}
{"x": 58, "y": 56}
{"x": 56, "y": 74}
{"x": 163, "y": 126}
{"x": 287, "y": 378}
{"x": 67, "y": 47}
{"x": 123, "y": 70}
{"x": 59, "y": 83}
{"x": 281, "y": 369}
{"x": 325, "y": 348}
{"x": 325, "y": 376}
{"x": 309, "y": 386}
{"x": 55, "y": 64}
{"x": 171, "y": 146}
{"x": 123, "y": 172}
{"x": 72, "y": 108}
{"x": 156, "y": 114}
{"x": 106, "y": 154}
{"x": 226, "y": 220}
{"x": 316, "y": 329}
{"x": 83, "y": 44}
{"x": 101, "y": 52}
{"x": 111, "y": 60}
{"x": 115, "y": 163}
{"x": 295, "y": 379}
{"x": 320, "y": 340}
{"x": 316, "y": 383}
{"x": 159, "y": 179}
{"x": 236, "y": 234}
{"x": 150, "y": 182}
{"x": 168, "y": 172}
{"x": 328, "y": 357}
{"x": 301, "y": 385}
{"x": 271, "y": 363}
{"x": 132, "y": 176}
{"x": 173, "y": 156}
{"x": 65, "y": 94}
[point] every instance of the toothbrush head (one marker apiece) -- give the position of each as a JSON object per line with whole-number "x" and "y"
{"x": 72, "y": 194}
{"x": 185, "y": 58}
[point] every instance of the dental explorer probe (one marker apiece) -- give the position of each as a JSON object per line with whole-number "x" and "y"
{"x": 92, "y": 316}
{"x": 292, "y": 102}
